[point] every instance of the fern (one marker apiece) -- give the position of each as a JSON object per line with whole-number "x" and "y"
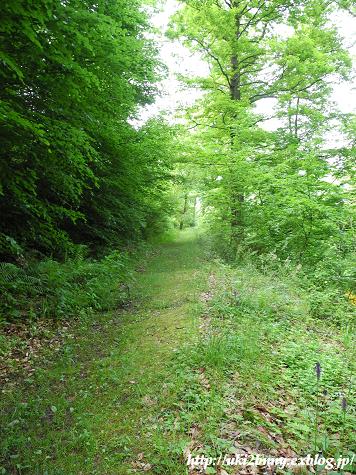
{"x": 63, "y": 290}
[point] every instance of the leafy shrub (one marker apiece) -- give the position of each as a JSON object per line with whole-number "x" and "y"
{"x": 62, "y": 290}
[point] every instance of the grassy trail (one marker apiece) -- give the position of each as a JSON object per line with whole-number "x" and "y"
{"x": 207, "y": 359}
{"x": 88, "y": 413}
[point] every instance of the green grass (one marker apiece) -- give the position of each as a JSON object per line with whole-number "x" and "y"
{"x": 269, "y": 345}
{"x": 132, "y": 390}
{"x": 85, "y": 411}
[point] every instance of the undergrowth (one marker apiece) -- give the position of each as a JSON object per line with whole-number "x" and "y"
{"x": 55, "y": 290}
{"x": 258, "y": 355}
{"x": 328, "y": 286}
{"x": 231, "y": 372}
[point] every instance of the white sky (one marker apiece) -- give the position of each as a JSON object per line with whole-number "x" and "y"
{"x": 179, "y": 60}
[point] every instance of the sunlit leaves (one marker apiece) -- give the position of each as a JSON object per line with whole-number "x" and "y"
{"x": 276, "y": 191}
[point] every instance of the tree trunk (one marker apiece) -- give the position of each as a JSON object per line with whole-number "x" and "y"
{"x": 185, "y": 208}
{"x": 194, "y": 209}
{"x": 237, "y": 196}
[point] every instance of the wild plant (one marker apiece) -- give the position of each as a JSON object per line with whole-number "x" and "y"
{"x": 317, "y": 411}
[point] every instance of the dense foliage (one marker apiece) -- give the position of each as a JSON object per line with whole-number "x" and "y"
{"x": 73, "y": 168}
{"x": 53, "y": 290}
{"x": 285, "y": 193}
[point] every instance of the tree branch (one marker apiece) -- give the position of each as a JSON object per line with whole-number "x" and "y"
{"x": 207, "y": 50}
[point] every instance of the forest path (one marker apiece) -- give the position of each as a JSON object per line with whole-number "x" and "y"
{"x": 209, "y": 358}
{"x": 98, "y": 408}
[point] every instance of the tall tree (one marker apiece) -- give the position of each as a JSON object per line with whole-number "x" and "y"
{"x": 283, "y": 50}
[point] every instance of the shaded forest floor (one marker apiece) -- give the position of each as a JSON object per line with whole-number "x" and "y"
{"x": 207, "y": 359}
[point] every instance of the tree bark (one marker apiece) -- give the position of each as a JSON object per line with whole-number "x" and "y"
{"x": 237, "y": 196}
